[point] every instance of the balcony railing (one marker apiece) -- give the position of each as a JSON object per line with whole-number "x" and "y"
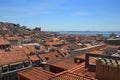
{"x": 16, "y": 70}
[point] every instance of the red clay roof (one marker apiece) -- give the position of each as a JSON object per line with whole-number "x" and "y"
{"x": 36, "y": 73}
{"x": 55, "y": 39}
{"x": 64, "y": 53}
{"x": 34, "y": 58}
{"x": 81, "y": 57}
{"x": 26, "y": 50}
{"x": 4, "y": 29}
{"x": 12, "y": 57}
{"x": 82, "y": 71}
{"x": 32, "y": 48}
{"x": 51, "y": 56}
{"x": 12, "y": 38}
{"x": 68, "y": 76}
{"x": 18, "y": 48}
{"x": 53, "y": 43}
{"x": 65, "y": 64}
{"x": 4, "y": 42}
{"x": 2, "y": 51}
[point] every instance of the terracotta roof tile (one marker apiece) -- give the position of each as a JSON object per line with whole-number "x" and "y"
{"x": 11, "y": 57}
{"x": 65, "y": 46}
{"x": 12, "y": 38}
{"x": 32, "y": 48}
{"x": 81, "y": 57}
{"x": 53, "y": 43}
{"x": 55, "y": 39}
{"x": 36, "y": 73}
{"x": 26, "y": 50}
{"x": 68, "y": 76}
{"x": 2, "y": 51}
{"x": 64, "y": 53}
{"x": 82, "y": 71}
{"x": 65, "y": 64}
{"x": 4, "y": 29}
{"x": 34, "y": 58}
{"x": 4, "y": 42}
{"x": 16, "y": 48}
{"x": 49, "y": 57}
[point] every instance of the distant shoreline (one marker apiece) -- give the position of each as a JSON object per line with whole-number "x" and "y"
{"x": 105, "y": 33}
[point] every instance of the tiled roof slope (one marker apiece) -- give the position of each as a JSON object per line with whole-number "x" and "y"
{"x": 34, "y": 58}
{"x": 12, "y": 38}
{"x": 33, "y": 49}
{"x": 4, "y": 42}
{"x": 82, "y": 71}
{"x": 68, "y": 76}
{"x": 64, "y": 53}
{"x": 11, "y": 57}
{"x": 26, "y": 50}
{"x": 50, "y": 56}
{"x": 65, "y": 64}
{"x": 36, "y": 73}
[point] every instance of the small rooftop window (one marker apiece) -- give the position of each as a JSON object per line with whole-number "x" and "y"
{"x": 65, "y": 53}
{"x": 57, "y": 55}
{"x": 47, "y": 58}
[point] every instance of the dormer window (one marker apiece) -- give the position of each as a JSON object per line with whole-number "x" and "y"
{"x": 64, "y": 53}
{"x": 57, "y": 55}
{"x": 47, "y": 58}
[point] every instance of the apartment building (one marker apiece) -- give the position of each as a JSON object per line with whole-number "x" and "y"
{"x": 12, "y": 62}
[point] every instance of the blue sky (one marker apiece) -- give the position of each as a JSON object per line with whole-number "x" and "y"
{"x": 63, "y": 15}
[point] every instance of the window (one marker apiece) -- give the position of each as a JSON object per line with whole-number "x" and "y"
{"x": 26, "y": 64}
{"x": 19, "y": 66}
{"x": 57, "y": 55}
{"x": 37, "y": 62}
{"x": 12, "y": 67}
{"x": 65, "y": 53}
{"x": 4, "y": 69}
{"x": 47, "y": 58}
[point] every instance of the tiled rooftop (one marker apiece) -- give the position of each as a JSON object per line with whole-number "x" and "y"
{"x": 68, "y": 76}
{"x": 55, "y": 39}
{"x": 12, "y": 38}
{"x": 36, "y": 73}
{"x": 3, "y": 42}
{"x": 32, "y": 48}
{"x": 48, "y": 57}
{"x": 82, "y": 71}
{"x": 34, "y": 57}
{"x": 11, "y": 57}
{"x": 64, "y": 53}
{"x": 2, "y": 51}
{"x": 26, "y": 50}
{"x": 53, "y": 43}
{"x": 58, "y": 60}
{"x": 65, "y": 64}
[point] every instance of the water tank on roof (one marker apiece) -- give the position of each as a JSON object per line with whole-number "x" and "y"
{"x": 37, "y": 46}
